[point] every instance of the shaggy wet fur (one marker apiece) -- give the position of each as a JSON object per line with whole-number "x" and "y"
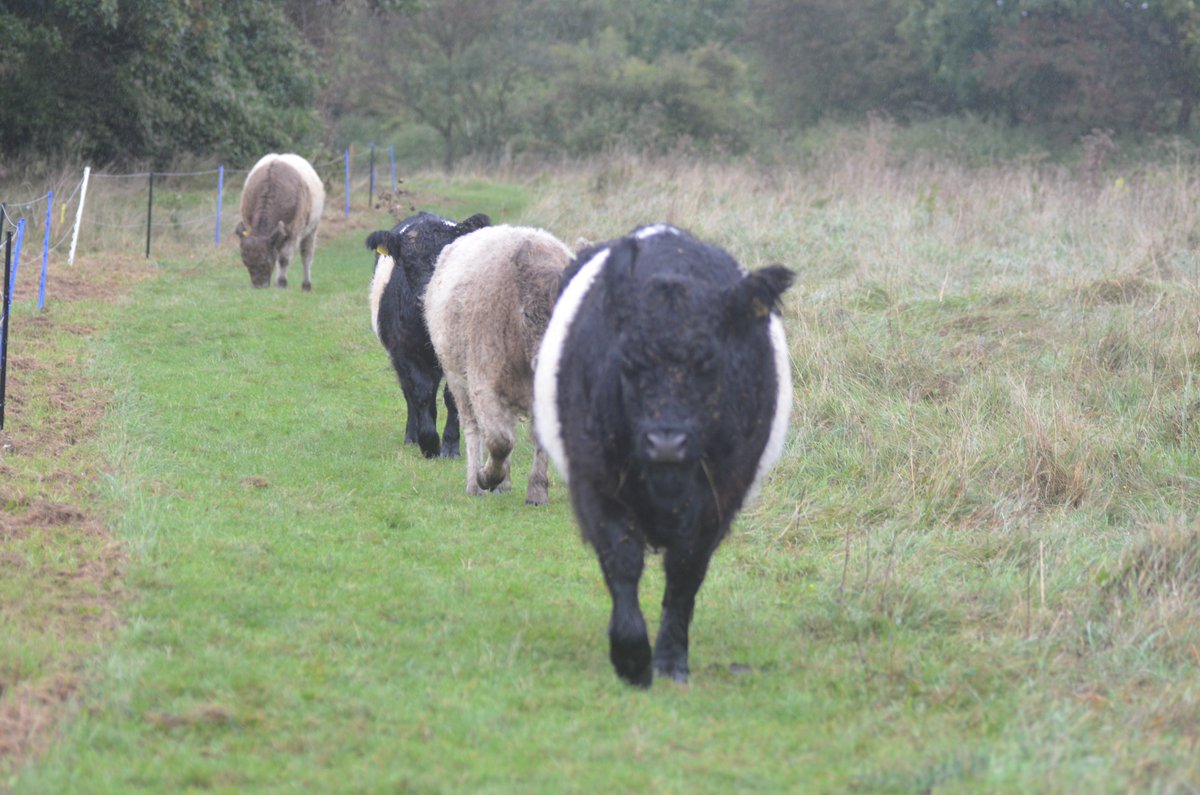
{"x": 662, "y": 394}
{"x": 487, "y": 308}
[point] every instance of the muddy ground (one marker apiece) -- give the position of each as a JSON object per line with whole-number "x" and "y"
{"x": 68, "y": 601}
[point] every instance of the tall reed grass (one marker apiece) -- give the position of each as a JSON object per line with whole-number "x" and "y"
{"x": 996, "y": 374}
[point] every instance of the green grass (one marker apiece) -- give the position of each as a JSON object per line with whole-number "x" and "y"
{"x": 974, "y": 569}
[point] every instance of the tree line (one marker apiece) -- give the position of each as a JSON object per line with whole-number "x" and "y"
{"x": 126, "y": 80}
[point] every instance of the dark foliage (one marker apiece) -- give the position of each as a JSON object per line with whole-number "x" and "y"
{"x": 150, "y": 79}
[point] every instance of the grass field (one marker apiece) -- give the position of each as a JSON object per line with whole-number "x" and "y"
{"x": 977, "y": 567}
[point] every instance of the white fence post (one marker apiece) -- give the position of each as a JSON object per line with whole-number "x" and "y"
{"x": 87, "y": 170}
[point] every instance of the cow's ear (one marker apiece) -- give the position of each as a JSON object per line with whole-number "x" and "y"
{"x": 377, "y": 242}
{"x": 241, "y": 231}
{"x": 278, "y": 235}
{"x": 476, "y": 221}
{"x": 757, "y": 295}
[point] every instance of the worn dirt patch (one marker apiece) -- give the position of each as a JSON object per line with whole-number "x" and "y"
{"x": 67, "y": 600}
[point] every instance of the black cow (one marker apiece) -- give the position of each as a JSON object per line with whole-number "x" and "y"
{"x": 662, "y": 395}
{"x": 404, "y": 262}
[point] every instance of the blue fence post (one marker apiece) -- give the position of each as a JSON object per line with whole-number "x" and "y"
{"x": 17, "y": 255}
{"x": 149, "y": 214}
{"x": 392, "y": 157}
{"x": 5, "y": 311}
{"x": 220, "y": 192}
{"x": 45, "y": 251}
{"x": 347, "y": 157}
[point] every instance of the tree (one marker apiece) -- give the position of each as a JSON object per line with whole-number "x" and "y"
{"x": 946, "y": 37}
{"x": 1073, "y": 66}
{"x": 454, "y": 65}
{"x": 1068, "y": 65}
{"x": 830, "y": 58}
{"x": 133, "y": 79}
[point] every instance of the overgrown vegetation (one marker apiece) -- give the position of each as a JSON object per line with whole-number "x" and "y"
{"x": 445, "y": 80}
{"x": 974, "y": 569}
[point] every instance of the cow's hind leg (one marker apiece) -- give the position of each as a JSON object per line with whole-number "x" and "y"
{"x": 494, "y": 474}
{"x": 537, "y": 492}
{"x": 474, "y": 442}
{"x": 307, "y": 246}
{"x": 450, "y": 435}
{"x": 685, "y": 570}
{"x": 408, "y": 388}
{"x": 498, "y": 425}
{"x": 421, "y": 394}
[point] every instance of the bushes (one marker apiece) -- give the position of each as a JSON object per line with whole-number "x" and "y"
{"x": 152, "y": 79}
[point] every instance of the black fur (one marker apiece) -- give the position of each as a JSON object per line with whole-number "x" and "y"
{"x": 666, "y": 392}
{"x": 414, "y": 245}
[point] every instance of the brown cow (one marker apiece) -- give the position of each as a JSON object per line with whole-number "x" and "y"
{"x": 281, "y": 207}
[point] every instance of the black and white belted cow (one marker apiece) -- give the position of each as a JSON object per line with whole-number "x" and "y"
{"x": 405, "y": 257}
{"x": 661, "y": 393}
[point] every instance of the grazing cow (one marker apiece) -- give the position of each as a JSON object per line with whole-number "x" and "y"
{"x": 487, "y": 307}
{"x": 404, "y": 262}
{"x": 662, "y": 395}
{"x": 281, "y": 207}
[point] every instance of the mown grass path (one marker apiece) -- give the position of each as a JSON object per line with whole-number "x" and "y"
{"x": 319, "y": 609}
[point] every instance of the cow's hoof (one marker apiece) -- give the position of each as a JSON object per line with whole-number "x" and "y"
{"x": 430, "y": 445}
{"x": 281, "y": 283}
{"x": 641, "y": 679}
{"x": 449, "y": 451}
{"x": 493, "y": 483}
{"x": 674, "y": 674}
{"x": 306, "y": 287}
{"x": 632, "y": 662}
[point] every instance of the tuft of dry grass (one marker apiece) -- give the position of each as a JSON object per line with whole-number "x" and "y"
{"x": 1152, "y": 598}
{"x": 996, "y": 390}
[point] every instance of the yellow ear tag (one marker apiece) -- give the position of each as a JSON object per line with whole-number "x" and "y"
{"x": 245, "y": 233}
{"x": 381, "y": 249}
{"x": 761, "y": 310}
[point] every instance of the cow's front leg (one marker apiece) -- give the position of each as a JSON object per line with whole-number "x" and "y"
{"x": 685, "y": 570}
{"x": 628, "y": 644}
{"x": 621, "y": 555}
{"x": 285, "y": 259}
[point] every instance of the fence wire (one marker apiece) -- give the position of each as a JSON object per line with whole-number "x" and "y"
{"x": 112, "y": 211}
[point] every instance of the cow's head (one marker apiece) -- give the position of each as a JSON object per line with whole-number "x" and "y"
{"x": 260, "y": 252}
{"x": 682, "y": 348}
{"x": 414, "y": 244}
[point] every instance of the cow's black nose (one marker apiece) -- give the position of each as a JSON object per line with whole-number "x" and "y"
{"x": 666, "y": 447}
